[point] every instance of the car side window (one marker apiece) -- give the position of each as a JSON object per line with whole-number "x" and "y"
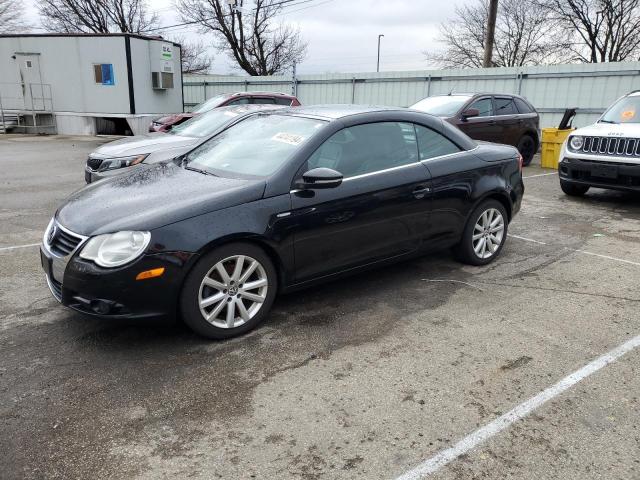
{"x": 522, "y": 106}
{"x": 505, "y": 106}
{"x": 263, "y": 101}
{"x": 367, "y": 148}
{"x": 433, "y": 144}
{"x": 283, "y": 101}
{"x": 239, "y": 101}
{"x": 484, "y": 106}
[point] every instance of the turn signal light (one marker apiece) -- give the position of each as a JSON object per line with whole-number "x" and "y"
{"x": 156, "y": 272}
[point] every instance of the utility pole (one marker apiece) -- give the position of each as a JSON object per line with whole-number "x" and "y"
{"x": 491, "y": 32}
{"x": 378, "y": 64}
{"x": 294, "y": 81}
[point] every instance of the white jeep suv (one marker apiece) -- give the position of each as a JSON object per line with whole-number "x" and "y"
{"x": 605, "y": 154}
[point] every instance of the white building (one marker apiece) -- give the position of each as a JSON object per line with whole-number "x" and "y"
{"x": 87, "y": 83}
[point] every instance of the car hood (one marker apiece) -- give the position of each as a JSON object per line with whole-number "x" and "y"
{"x": 610, "y": 130}
{"x": 151, "y": 197}
{"x": 143, "y": 144}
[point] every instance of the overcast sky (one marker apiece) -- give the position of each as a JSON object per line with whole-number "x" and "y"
{"x": 342, "y": 34}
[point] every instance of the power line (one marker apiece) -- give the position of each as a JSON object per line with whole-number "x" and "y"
{"x": 303, "y": 8}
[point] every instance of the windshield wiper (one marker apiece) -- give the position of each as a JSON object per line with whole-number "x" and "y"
{"x": 608, "y": 121}
{"x": 199, "y": 170}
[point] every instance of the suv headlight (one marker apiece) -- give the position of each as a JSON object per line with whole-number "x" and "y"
{"x": 116, "y": 249}
{"x": 576, "y": 142}
{"x": 121, "y": 162}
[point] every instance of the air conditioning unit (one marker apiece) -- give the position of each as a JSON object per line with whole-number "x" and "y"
{"x": 161, "y": 80}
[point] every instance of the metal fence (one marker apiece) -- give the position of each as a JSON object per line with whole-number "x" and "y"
{"x": 551, "y": 88}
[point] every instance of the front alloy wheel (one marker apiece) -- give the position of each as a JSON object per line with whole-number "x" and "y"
{"x": 233, "y": 291}
{"x": 229, "y": 291}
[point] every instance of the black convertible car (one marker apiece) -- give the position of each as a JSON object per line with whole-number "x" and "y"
{"x": 278, "y": 201}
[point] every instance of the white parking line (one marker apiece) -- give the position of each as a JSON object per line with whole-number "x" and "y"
{"x": 637, "y": 264}
{"x": 541, "y": 175}
{"x": 481, "y": 435}
{"x": 608, "y": 257}
{"x": 18, "y": 246}
{"x": 526, "y": 239}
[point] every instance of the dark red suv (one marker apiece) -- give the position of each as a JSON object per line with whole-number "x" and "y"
{"x": 165, "y": 123}
{"x": 498, "y": 118}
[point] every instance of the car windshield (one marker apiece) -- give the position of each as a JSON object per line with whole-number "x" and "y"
{"x": 204, "y": 125}
{"x": 442, "y": 105}
{"x": 256, "y": 146}
{"x": 209, "y": 104}
{"x": 625, "y": 110}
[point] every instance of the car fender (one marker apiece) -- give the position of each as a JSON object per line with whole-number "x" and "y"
{"x": 256, "y": 222}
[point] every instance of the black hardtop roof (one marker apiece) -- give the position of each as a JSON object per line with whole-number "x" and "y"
{"x": 334, "y": 112}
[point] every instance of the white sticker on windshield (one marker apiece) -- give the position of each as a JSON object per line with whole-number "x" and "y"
{"x": 290, "y": 138}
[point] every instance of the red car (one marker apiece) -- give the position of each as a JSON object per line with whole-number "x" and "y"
{"x": 166, "y": 123}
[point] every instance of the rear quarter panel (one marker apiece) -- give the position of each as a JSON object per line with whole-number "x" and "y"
{"x": 461, "y": 181}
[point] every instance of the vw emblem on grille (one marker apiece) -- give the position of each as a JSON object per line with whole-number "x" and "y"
{"x": 52, "y": 234}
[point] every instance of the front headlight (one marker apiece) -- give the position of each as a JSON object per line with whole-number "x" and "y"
{"x": 576, "y": 142}
{"x": 115, "y": 249}
{"x": 121, "y": 162}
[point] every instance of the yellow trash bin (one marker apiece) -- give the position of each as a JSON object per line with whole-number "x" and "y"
{"x": 552, "y": 139}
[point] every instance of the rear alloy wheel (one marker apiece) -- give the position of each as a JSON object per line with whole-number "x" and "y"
{"x": 527, "y": 148}
{"x": 229, "y": 291}
{"x": 573, "y": 190}
{"x": 484, "y": 235}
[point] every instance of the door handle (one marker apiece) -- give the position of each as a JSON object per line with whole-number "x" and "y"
{"x": 420, "y": 191}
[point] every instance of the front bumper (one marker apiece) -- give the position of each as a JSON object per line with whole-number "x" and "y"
{"x": 115, "y": 293}
{"x": 601, "y": 174}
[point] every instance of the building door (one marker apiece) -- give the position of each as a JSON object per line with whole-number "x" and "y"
{"x": 31, "y": 80}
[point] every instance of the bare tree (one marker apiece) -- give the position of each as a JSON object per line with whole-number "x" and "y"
{"x": 12, "y": 17}
{"x": 96, "y": 16}
{"x": 249, "y": 36}
{"x": 603, "y": 30}
{"x": 195, "y": 58}
{"x": 524, "y": 35}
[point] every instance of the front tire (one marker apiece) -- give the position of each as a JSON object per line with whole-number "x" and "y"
{"x": 229, "y": 291}
{"x": 527, "y": 148}
{"x": 484, "y": 235}
{"x": 573, "y": 190}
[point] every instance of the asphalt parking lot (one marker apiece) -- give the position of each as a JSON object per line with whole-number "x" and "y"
{"x": 368, "y": 377}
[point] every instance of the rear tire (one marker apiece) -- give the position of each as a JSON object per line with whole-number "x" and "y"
{"x": 527, "y": 148}
{"x": 229, "y": 291}
{"x": 574, "y": 190}
{"x": 484, "y": 235}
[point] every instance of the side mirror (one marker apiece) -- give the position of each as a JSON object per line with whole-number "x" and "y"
{"x": 317, "y": 178}
{"x": 470, "y": 112}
